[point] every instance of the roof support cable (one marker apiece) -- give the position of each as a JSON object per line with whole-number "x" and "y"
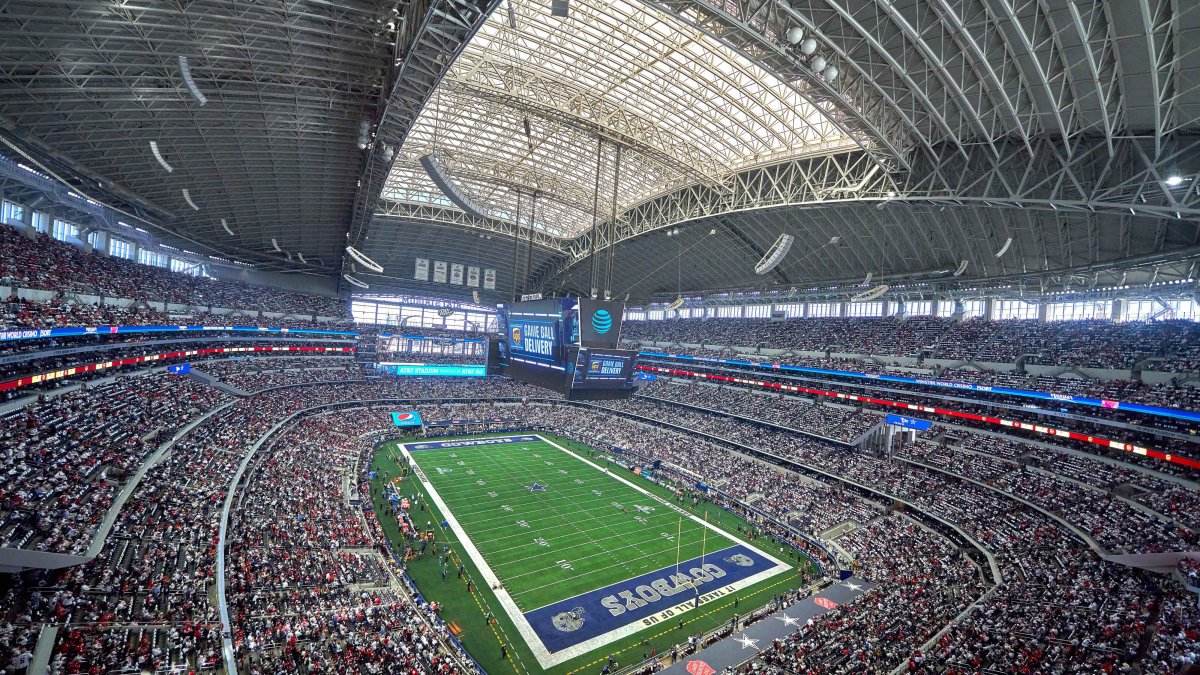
{"x": 516, "y": 246}
{"x": 612, "y": 227}
{"x": 595, "y": 217}
{"x": 529, "y": 246}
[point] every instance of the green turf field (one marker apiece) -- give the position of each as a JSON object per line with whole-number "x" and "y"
{"x": 546, "y": 546}
{"x": 594, "y": 526}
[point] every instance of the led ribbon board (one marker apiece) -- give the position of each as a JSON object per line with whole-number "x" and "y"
{"x": 35, "y": 333}
{"x": 433, "y": 370}
{"x": 1036, "y": 428}
{"x": 962, "y": 386}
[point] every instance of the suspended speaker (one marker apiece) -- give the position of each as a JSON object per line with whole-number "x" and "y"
{"x": 962, "y": 267}
{"x": 354, "y": 281}
{"x": 676, "y": 304}
{"x": 775, "y": 254}
{"x": 363, "y": 260}
{"x": 1004, "y": 248}
{"x": 453, "y": 192}
{"x": 871, "y": 294}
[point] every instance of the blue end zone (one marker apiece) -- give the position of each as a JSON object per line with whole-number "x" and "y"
{"x": 467, "y": 443}
{"x": 574, "y": 620}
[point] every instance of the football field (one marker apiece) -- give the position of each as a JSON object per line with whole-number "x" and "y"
{"x": 578, "y": 555}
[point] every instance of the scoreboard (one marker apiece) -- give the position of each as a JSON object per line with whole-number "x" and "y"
{"x": 565, "y": 344}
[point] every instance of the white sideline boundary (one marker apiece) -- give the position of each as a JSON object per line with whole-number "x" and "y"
{"x": 546, "y": 658}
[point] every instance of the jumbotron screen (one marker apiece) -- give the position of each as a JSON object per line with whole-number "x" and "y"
{"x": 604, "y": 369}
{"x": 547, "y": 342}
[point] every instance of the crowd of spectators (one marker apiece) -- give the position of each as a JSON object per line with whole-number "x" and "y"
{"x": 1189, "y": 569}
{"x": 312, "y": 592}
{"x": 1101, "y": 609}
{"x": 308, "y": 587}
{"x": 61, "y": 362}
{"x": 933, "y": 387}
{"x": 1176, "y": 644}
{"x": 918, "y": 592}
{"x": 1168, "y": 435}
{"x": 48, "y": 264}
{"x": 23, "y": 314}
{"x": 1183, "y": 396}
{"x": 256, "y": 374}
{"x": 449, "y": 358}
{"x": 65, "y": 457}
{"x": 1092, "y": 343}
{"x": 810, "y": 505}
{"x": 1115, "y": 524}
{"x": 838, "y": 422}
{"x": 144, "y": 603}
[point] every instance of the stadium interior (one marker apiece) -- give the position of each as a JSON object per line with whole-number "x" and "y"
{"x": 485, "y": 337}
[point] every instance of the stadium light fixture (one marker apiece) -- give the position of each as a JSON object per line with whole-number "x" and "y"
{"x": 1174, "y": 180}
{"x": 795, "y": 34}
{"x": 808, "y": 46}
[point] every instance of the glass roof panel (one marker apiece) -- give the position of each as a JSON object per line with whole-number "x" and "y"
{"x": 684, "y": 108}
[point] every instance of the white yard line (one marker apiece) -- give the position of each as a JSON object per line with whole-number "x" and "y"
{"x": 553, "y": 503}
{"x": 574, "y": 560}
{"x": 607, "y": 505}
{"x": 606, "y": 508}
{"x": 544, "y": 657}
{"x": 594, "y": 569}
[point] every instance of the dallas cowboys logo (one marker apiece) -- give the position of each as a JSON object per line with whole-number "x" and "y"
{"x": 537, "y": 487}
{"x": 788, "y": 620}
{"x": 745, "y": 641}
{"x": 741, "y": 560}
{"x": 852, "y": 586}
{"x": 569, "y": 621}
